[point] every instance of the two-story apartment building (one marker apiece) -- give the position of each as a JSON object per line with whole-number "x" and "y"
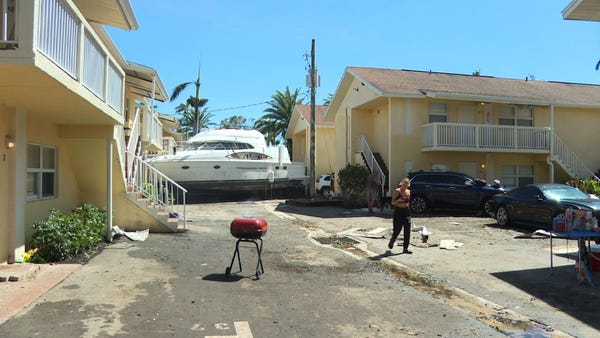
{"x": 299, "y": 132}
{"x": 517, "y": 130}
{"x": 70, "y": 104}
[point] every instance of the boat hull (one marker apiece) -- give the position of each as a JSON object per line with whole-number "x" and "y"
{"x": 229, "y": 175}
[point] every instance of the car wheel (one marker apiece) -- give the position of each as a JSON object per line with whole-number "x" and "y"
{"x": 502, "y": 216}
{"x": 326, "y": 192}
{"x": 418, "y": 204}
{"x": 488, "y": 207}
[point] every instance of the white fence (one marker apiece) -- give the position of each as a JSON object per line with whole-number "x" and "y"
{"x": 84, "y": 58}
{"x": 485, "y": 137}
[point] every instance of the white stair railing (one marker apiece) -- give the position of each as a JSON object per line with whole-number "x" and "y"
{"x": 133, "y": 145}
{"x": 569, "y": 160}
{"x": 162, "y": 191}
{"x": 365, "y": 150}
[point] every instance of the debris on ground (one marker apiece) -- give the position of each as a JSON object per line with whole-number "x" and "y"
{"x": 450, "y": 244}
{"x": 138, "y": 236}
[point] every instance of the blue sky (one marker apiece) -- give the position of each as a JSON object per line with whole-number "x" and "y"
{"x": 247, "y": 50}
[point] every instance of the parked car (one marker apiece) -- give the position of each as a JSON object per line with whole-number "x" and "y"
{"x": 450, "y": 190}
{"x": 538, "y": 204}
{"x": 324, "y": 185}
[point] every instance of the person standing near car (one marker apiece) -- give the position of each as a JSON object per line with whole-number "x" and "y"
{"x": 401, "y": 220}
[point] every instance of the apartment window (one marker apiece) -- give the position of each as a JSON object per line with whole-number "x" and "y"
{"x": 438, "y": 112}
{"x": 8, "y": 23}
{"x": 516, "y": 175}
{"x": 41, "y": 172}
{"x": 516, "y": 116}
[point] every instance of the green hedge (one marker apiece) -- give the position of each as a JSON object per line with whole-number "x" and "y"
{"x": 61, "y": 237}
{"x": 588, "y": 186}
{"x": 353, "y": 182}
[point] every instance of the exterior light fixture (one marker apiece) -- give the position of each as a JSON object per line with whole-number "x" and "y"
{"x": 9, "y": 142}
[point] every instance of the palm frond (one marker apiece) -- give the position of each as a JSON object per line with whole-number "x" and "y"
{"x": 178, "y": 90}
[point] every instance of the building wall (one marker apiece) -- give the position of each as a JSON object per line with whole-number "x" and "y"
{"x": 324, "y": 151}
{"x": 6, "y": 158}
{"x": 301, "y": 144}
{"x": 578, "y": 127}
{"x": 397, "y": 136}
{"x": 43, "y": 132}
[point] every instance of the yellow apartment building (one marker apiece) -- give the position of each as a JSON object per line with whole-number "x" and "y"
{"x": 517, "y": 130}
{"x": 299, "y": 132}
{"x": 75, "y": 118}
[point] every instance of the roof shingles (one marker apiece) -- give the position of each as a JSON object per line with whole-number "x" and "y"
{"x": 415, "y": 83}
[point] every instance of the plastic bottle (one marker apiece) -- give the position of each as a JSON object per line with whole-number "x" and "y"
{"x": 569, "y": 216}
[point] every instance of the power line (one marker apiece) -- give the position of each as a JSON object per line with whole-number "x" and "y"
{"x": 232, "y": 108}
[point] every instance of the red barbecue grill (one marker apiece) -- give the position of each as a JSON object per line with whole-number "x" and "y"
{"x": 248, "y": 230}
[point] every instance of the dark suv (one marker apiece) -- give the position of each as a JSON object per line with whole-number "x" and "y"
{"x": 451, "y": 190}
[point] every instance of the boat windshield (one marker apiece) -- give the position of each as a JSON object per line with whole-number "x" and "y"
{"x": 247, "y": 155}
{"x": 218, "y": 145}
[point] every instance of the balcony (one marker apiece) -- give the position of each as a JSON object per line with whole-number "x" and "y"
{"x": 485, "y": 138}
{"x": 49, "y": 50}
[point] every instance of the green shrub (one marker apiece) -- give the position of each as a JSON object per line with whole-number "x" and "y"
{"x": 353, "y": 182}
{"x": 588, "y": 186}
{"x": 61, "y": 237}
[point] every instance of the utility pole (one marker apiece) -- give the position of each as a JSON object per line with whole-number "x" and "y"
{"x": 313, "y": 85}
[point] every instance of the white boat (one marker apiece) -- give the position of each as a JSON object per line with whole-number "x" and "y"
{"x": 230, "y": 160}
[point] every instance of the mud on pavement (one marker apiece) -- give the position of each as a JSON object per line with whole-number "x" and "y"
{"x": 503, "y": 281}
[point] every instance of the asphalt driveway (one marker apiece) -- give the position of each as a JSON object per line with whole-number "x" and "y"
{"x": 327, "y": 273}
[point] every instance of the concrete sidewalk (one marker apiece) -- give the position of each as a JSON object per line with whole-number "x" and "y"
{"x": 25, "y": 282}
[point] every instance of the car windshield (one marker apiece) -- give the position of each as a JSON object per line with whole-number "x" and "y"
{"x": 562, "y": 193}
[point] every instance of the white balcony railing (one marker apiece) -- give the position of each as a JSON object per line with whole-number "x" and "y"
{"x": 151, "y": 128}
{"x": 66, "y": 38}
{"x": 485, "y": 137}
{"x": 169, "y": 145}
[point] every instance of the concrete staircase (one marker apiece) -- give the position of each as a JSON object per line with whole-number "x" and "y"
{"x": 168, "y": 219}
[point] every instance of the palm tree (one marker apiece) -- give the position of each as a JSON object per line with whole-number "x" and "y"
{"x": 274, "y": 123}
{"x": 235, "y": 122}
{"x": 327, "y": 100}
{"x": 190, "y": 118}
{"x": 194, "y": 101}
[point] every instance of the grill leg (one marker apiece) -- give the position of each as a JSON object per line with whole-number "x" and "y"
{"x": 236, "y": 253}
{"x": 259, "y": 265}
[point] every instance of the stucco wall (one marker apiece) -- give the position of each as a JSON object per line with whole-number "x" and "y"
{"x": 578, "y": 128}
{"x": 5, "y": 191}
{"x": 67, "y": 195}
{"x": 325, "y": 151}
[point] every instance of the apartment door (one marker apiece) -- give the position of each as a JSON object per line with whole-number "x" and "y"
{"x": 469, "y": 168}
{"x": 466, "y": 113}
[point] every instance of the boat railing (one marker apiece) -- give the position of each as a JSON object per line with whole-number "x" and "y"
{"x": 162, "y": 191}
